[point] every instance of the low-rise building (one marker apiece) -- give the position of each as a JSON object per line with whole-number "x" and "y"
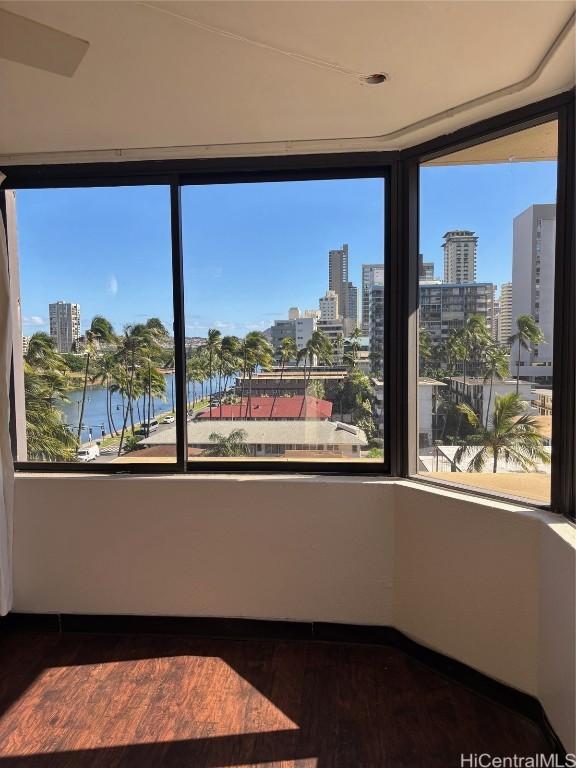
{"x": 476, "y": 393}
{"x": 362, "y": 352}
{"x": 272, "y": 408}
{"x": 430, "y": 421}
{"x": 542, "y": 401}
{"x": 290, "y": 381}
{"x": 269, "y": 438}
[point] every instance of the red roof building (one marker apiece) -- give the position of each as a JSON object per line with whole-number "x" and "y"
{"x": 285, "y": 409}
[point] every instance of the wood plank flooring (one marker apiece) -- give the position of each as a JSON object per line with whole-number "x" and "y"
{"x": 115, "y": 701}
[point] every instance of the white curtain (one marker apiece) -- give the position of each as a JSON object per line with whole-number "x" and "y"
{"x": 6, "y": 467}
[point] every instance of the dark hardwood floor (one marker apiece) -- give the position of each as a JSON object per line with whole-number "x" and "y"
{"x": 87, "y": 701}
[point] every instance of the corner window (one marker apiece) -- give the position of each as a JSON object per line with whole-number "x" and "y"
{"x": 485, "y": 375}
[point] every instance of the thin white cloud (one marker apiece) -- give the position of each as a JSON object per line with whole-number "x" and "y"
{"x": 34, "y": 320}
{"x": 112, "y": 285}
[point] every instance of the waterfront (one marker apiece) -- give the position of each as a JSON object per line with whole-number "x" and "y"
{"x": 95, "y": 420}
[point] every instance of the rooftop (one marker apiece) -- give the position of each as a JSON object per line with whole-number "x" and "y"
{"x": 296, "y": 375}
{"x": 479, "y": 382}
{"x": 267, "y": 432}
{"x": 284, "y": 408}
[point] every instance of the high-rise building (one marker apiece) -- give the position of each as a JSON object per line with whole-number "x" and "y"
{"x": 329, "y": 306}
{"x": 339, "y": 283}
{"x": 445, "y": 307}
{"x": 351, "y": 314}
{"x": 25, "y": 344}
{"x": 335, "y": 331}
{"x": 338, "y": 273}
{"x": 425, "y": 268}
{"x": 505, "y": 313}
{"x": 64, "y": 325}
{"x": 294, "y": 313}
{"x": 300, "y": 330}
{"x": 372, "y": 274}
{"x": 496, "y": 320}
{"x": 338, "y": 276}
{"x": 534, "y": 234}
{"x": 460, "y": 248}
{"x": 376, "y": 328}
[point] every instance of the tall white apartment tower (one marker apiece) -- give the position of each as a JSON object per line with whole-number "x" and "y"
{"x": 329, "y": 306}
{"x": 372, "y": 274}
{"x": 64, "y": 324}
{"x": 460, "y": 248}
{"x": 534, "y": 236}
{"x": 505, "y": 316}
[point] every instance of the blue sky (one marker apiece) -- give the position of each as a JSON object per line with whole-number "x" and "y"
{"x": 251, "y": 250}
{"x": 484, "y": 199}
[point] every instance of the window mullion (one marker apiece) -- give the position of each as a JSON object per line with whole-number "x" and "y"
{"x": 179, "y": 323}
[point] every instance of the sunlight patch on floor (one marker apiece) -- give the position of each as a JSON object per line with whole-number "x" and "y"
{"x": 132, "y": 702}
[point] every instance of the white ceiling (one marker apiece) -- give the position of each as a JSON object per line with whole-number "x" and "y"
{"x": 156, "y": 86}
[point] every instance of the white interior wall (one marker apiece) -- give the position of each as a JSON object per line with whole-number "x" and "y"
{"x": 487, "y": 583}
{"x": 466, "y": 581}
{"x": 307, "y": 549}
{"x": 557, "y": 630}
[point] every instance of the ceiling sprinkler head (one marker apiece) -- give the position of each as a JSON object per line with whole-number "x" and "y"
{"x": 375, "y": 79}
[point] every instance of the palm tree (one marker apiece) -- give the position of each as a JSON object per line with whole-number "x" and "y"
{"x": 42, "y": 352}
{"x": 475, "y": 338}
{"x": 196, "y": 372}
{"x": 104, "y": 374}
{"x": 319, "y": 348}
{"x": 287, "y": 351}
{"x": 424, "y": 346}
{"x": 100, "y": 330}
{"x": 495, "y": 367}
{"x": 47, "y": 437}
{"x": 45, "y": 387}
{"x": 454, "y": 351}
{"x": 256, "y": 352}
{"x": 338, "y": 347}
{"x": 136, "y": 338}
{"x": 229, "y": 362}
{"x": 513, "y": 435}
{"x": 212, "y": 346}
{"x": 527, "y": 334}
{"x": 228, "y": 445}
{"x": 156, "y": 333}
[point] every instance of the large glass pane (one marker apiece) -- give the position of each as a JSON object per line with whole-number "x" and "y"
{"x": 487, "y": 243}
{"x": 284, "y": 296}
{"x": 96, "y": 378}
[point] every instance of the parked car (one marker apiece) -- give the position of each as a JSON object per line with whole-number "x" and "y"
{"x": 88, "y": 453}
{"x": 169, "y": 420}
{"x": 142, "y": 431}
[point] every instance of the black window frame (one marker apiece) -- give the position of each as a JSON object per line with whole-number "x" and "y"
{"x": 177, "y": 175}
{"x": 559, "y": 108}
{"x": 400, "y": 171}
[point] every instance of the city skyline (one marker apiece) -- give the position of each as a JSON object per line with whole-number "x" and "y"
{"x": 120, "y": 271}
